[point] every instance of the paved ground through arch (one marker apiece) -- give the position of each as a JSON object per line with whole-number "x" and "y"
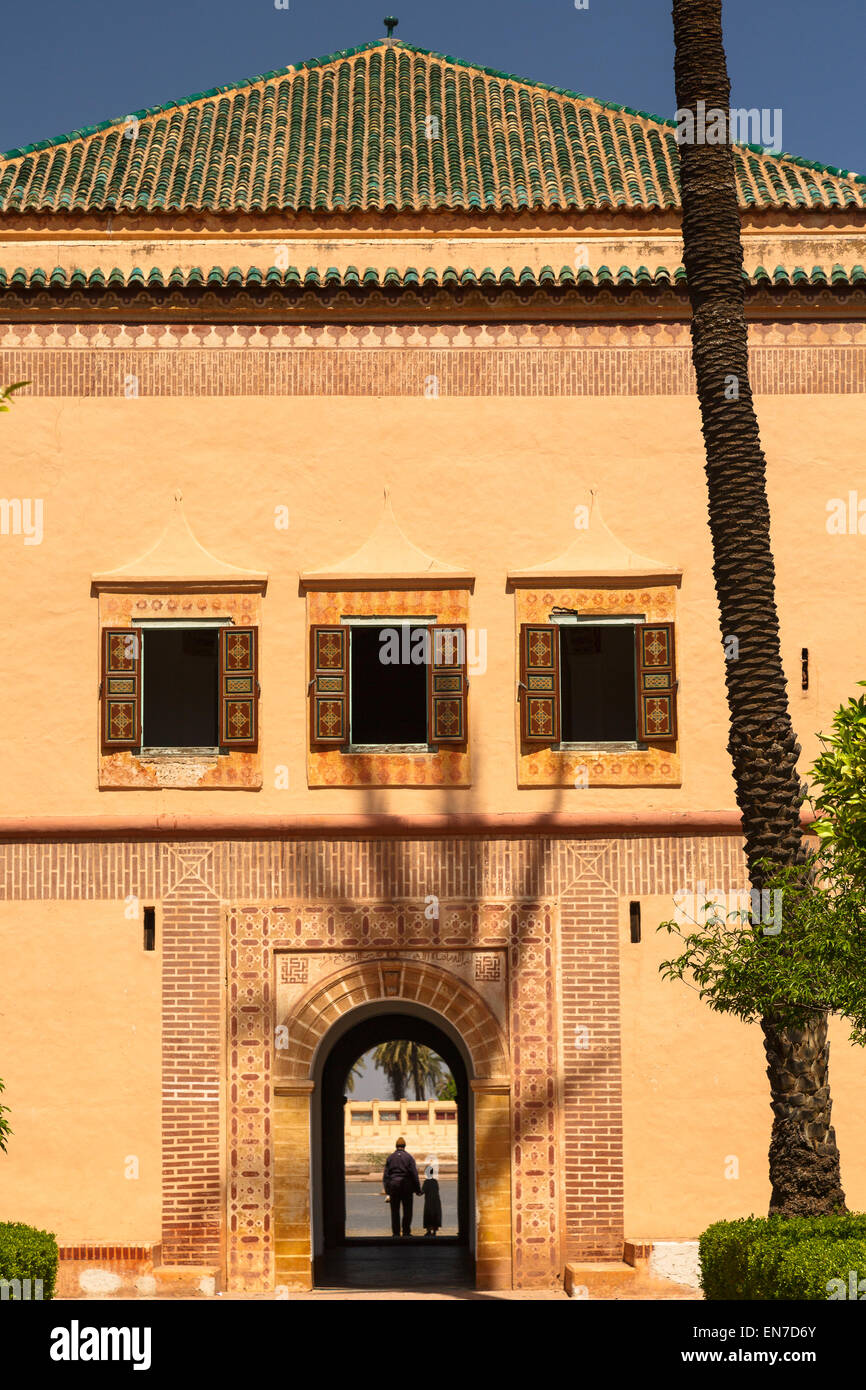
{"x": 407, "y": 1265}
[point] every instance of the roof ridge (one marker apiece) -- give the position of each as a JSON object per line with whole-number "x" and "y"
{"x": 309, "y": 63}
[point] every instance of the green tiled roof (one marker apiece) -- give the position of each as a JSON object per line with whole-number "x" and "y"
{"x": 315, "y": 278}
{"x": 389, "y": 126}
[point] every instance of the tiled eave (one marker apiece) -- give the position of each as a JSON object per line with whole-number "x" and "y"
{"x": 272, "y": 292}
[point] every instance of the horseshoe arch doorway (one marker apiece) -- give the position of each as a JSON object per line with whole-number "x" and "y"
{"x": 353, "y": 1035}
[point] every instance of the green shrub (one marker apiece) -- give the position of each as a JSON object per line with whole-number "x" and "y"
{"x": 761, "y": 1259}
{"x": 27, "y": 1253}
{"x": 723, "y": 1250}
{"x": 805, "y": 1269}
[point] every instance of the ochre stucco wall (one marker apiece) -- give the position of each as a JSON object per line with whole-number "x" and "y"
{"x": 578, "y": 244}
{"x": 80, "y": 1055}
{"x": 695, "y": 1092}
{"x": 489, "y": 484}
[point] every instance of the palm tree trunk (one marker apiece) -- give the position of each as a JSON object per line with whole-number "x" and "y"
{"x": 804, "y": 1160}
{"x": 397, "y": 1082}
{"x": 416, "y": 1073}
{"x": 762, "y": 742}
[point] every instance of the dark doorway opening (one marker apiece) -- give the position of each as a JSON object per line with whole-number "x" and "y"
{"x": 379, "y": 1261}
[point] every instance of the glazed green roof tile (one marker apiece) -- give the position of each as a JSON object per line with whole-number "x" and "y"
{"x": 260, "y": 277}
{"x": 389, "y": 126}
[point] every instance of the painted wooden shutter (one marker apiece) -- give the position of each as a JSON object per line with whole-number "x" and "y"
{"x": 656, "y": 682}
{"x": 121, "y": 689}
{"x": 539, "y": 683}
{"x": 239, "y": 688}
{"x": 447, "y": 686}
{"x": 329, "y": 681}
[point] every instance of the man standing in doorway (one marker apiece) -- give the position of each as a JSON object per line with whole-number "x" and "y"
{"x": 400, "y": 1182}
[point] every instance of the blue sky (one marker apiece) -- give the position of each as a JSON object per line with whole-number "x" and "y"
{"x": 65, "y": 65}
{"x": 373, "y": 1084}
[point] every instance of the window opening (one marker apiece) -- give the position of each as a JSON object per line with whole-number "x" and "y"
{"x": 180, "y": 688}
{"x": 388, "y": 683}
{"x": 597, "y": 682}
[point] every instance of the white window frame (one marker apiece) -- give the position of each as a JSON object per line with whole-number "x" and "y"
{"x": 385, "y": 620}
{"x": 177, "y": 625}
{"x": 600, "y": 620}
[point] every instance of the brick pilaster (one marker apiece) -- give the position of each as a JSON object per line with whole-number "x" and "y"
{"x": 191, "y": 1054}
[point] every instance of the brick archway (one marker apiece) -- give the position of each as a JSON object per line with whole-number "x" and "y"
{"x": 385, "y": 978}
{"x": 392, "y": 982}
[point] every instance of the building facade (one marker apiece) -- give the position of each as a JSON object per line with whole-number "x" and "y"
{"x": 362, "y": 659}
{"x": 372, "y": 1127}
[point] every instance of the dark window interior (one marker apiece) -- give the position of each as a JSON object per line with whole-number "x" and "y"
{"x": 180, "y": 688}
{"x": 389, "y": 702}
{"x": 597, "y": 680}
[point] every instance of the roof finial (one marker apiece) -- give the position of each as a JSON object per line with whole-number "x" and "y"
{"x": 390, "y": 24}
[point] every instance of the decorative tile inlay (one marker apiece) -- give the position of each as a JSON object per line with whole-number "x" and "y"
{"x": 536, "y": 1232}
{"x": 293, "y": 970}
{"x": 250, "y": 1151}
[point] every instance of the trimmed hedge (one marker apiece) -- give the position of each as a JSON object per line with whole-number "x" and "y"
{"x": 27, "y": 1253}
{"x": 760, "y": 1259}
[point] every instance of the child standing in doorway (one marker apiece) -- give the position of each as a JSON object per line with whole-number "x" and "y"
{"x": 432, "y": 1199}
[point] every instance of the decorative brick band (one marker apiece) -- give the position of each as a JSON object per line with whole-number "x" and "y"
{"x": 411, "y": 372}
{"x": 177, "y": 336}
{"x": 354, "y": 870}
